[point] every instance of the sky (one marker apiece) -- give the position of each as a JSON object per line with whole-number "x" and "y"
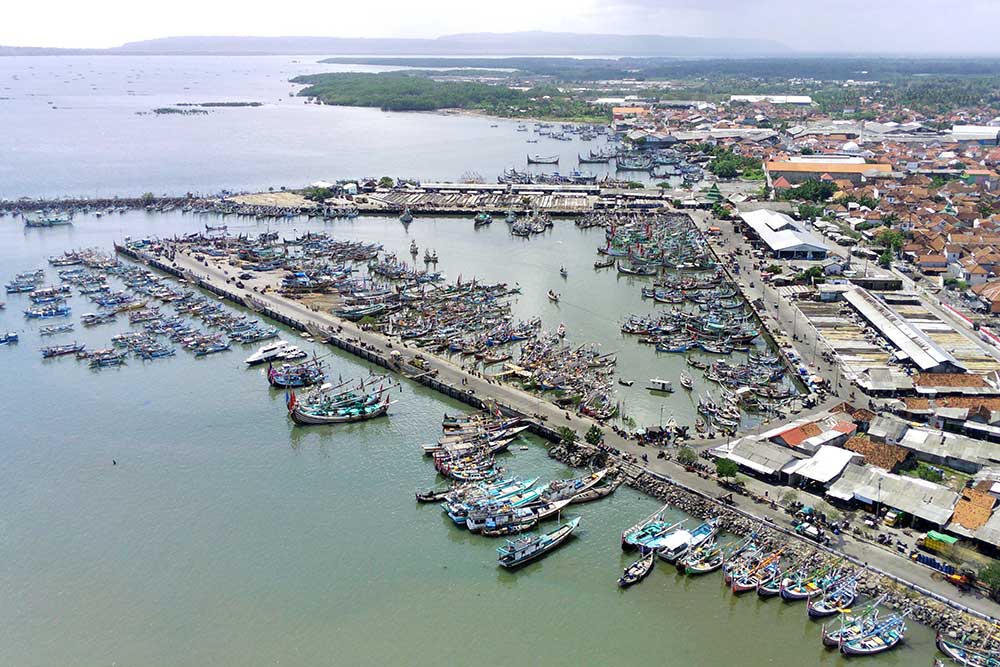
{"x": 864, "y": 26}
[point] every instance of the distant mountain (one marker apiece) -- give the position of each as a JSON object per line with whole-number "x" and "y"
{"x": 483, "y": 44}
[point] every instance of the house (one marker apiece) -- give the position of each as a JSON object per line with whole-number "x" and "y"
{"x": 806, "y": 170}
{"x": 989, "y": 295}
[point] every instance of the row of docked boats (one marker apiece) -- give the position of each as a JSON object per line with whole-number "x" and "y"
{"x": 485, "y": 501}
{"x": 754, "y": 564}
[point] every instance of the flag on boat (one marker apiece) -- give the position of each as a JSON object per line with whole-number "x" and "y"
{"x": 290, "y": 400}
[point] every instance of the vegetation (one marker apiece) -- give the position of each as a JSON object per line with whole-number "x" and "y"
{"x": 317, "y": 194}
{"x": 810, "y": 211}
{"x": 220, "y": 104}
{"x": 727, "y": 164}
{"x": 567, "y": 436}
{"x": 811, "y": 190}
{"x": 885, "y": 259}
{"x": 891, "y": 239}
{"x": 726, "y": 468}
{"x": 392, "y": 91}
{"x": 594, "y": 435}
{"x": 686, "y": 456}
{"x": 386, "y": 182}
{"x": 166, "y": 111}
{"x": 789, "y": 497}
{"x": 990, "y": 575}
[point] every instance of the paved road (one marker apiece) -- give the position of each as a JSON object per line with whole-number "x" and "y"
{"x": 554, "y": 416}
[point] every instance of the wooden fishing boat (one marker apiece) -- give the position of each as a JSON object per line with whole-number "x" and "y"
{"x": 648, "y": 529}
{"x": 885, "y": 636}
{"x": 543, "y": 159}
{"x": 597, "y": 492}
{"x": 686, "y": 380}
{"x": 605, "y": 263}
{"x": 342, "y": 412}
{"x": 851, "y": 627}
{"x": 963, "y": 654}
{"x": 483, "y": 218}
{"x": 839, "y": 596}
{"x": 8, "y": 338}
{"x": 406, "y": 217}
{"x": 638, "y": 570}
{"x": 553, "y": 297}
{"x": 801, "y": 588}
{"x": 526, "y": 549}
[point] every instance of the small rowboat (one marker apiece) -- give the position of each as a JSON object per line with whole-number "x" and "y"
{"x": 638, "y": 570}
{"x": 553, "y": 297}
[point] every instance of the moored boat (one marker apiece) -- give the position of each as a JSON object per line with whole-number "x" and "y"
{"x": 526, "y": 549}
{"x": 638, "y": 570}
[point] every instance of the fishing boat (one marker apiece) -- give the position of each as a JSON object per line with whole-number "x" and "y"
{"x": 46, "y": 219}
{"x": 963, "y": 654}
{"x": 795, "y": 588}
{"x": 414, "y": 250}
{"x": 686, "y": 380}
{"x": 647, "y": 530}
{"x": 433, "y": 495}
{"x": 56, "y": 329}
{"x": 561, "y": 330}
{"x": 553, "y": 297}
{"x": 526, "y": 549}
{"x": 676, "y": 543}
{"x": 636, "y": 270}
{"x": 62, "y": 350}
{"x": 706, "y": 559}
{"x": 563, "y": 272}
{"x": 8, "y": 338}
{"x": 638, "y": 570}
{"x": 886, "y": 635}
{"x": 343, "y": 408}
{"x": 47, "y": 312}
{"x": 406, "y": 217}
{"x": 605, "y": 263}
{"x": 851, "y": 627}
{"x": 660, "y": 385}
{"x": 511, "y": 216}
{"x": 839, "y": 596}
{"x": 625, "y": 383}
{"x": 543, "y": 159}
{"x": 215, "y": 228}
{"x": 597, "y": 492}
{"x": 289, "y": 376}
{"x": 483, "y": 218}
{"x": 570, "y": 488}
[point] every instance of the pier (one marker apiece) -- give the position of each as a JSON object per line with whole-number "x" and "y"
{"x": 546, "y": 419}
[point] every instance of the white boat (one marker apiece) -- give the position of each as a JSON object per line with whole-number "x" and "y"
{"x": 270, "y": 352}
{"x": 553, "y": 297}
{"x": 676, "y": 543}
{"x": 657, "y": 384}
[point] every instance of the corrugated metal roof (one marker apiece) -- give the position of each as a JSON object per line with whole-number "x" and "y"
{"x": 910, "y": 340}
{"x": 923, "y": 499}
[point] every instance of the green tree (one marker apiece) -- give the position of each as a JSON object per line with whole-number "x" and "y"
{"x": 892, "y": 239}
{"x": 594, "y": 435}
{"x": 687, "y": 456}
{"x": 885, "y": 259}
{"x": 990, "y": 575}
{"x": 724, "y": 169}
{"x": 726, "y": 468}
{"x": 148, "y": 197}
{"x": 386, "y": 182}
{"x": 789, "y": 497}
{"x": 367, "y": 322}
{"x": 810, "y": 211}
{"x": 567, "y": 436}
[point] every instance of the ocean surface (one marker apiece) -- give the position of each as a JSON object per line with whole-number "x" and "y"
{"x": 81, "y": 126}
{"x": 224, "y": 535}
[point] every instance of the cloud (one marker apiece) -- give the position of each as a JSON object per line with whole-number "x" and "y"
{"x": 913, "y": 26}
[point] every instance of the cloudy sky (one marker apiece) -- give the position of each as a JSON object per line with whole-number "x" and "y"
{"x": 911, "y": 26}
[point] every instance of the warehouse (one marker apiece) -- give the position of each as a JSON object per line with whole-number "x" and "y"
{"x": 784, "y": 237}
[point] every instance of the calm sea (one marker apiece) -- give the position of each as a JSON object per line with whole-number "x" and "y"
{"x": 72, "y": 126}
